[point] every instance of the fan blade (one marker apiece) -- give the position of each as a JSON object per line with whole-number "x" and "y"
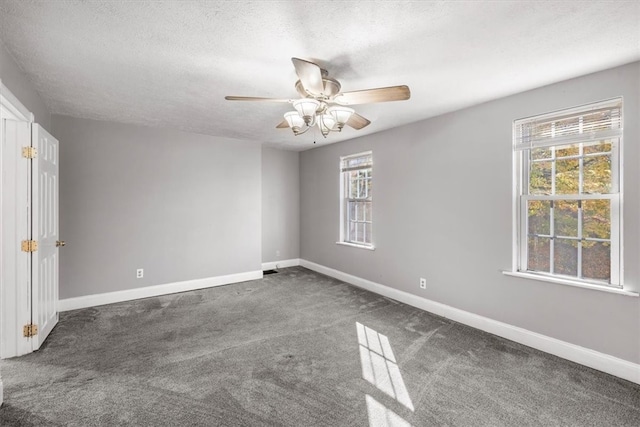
{"x": 254, "y": 98}
{"x": 383, "y": 94}
{"x": 357, "y": 122}
{"x": 283, "y": 125}
{"x": 310, "y": 75}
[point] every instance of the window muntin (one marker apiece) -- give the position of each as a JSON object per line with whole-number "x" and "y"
{"x": 568, "y": 190}
{"x": 357, "y": 174}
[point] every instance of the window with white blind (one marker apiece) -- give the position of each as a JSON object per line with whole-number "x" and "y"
{"x": 567, "y": 199}
{"x": 356, "y": 173}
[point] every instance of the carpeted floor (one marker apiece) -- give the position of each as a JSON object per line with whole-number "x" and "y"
{"x": 296, "y": 349}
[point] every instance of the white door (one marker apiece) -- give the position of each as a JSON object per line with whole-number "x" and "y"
{"x": 44, "y": 223}
{"x": 15, "y": 265}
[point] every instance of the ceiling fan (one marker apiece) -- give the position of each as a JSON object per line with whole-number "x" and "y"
{"x": 323, "y": 104}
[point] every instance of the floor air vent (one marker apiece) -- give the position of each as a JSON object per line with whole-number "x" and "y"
{"x": 269, "y": 272}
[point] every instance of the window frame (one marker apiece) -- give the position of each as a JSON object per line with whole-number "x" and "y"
{"x": 521, "y": 197}
{"x": 345, "y": 182}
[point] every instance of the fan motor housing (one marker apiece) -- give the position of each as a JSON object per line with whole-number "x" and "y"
{"x": 331, "y": 89}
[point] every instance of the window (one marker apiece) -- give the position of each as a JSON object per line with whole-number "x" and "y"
{"x": 568, "y": 216}
{"x": 356, "y": 173}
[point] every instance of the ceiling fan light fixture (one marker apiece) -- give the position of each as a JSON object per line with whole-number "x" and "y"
{"x": 340, "y": 114}
{"x": 295, "y": 121}
{"x": 307, "y": 108}
{"x": 326, "y": 124}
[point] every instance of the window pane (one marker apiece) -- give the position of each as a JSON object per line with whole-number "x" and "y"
{"x": 360, "y": 232}
{"x": 596, "y": 260}
{"x": 540, "y": 153}
{"x": 596, "y": 219}
{"x": 540, "y": 178}
{"x": 598, "y": 147}
{"x": 565, "y": 257}
{"x": 353, "y": 185}
{"x": 362, "y": 188}
{"x": 597, "y": 174}
{"x": 367, "y": 233}
{"x": 352, "y": 231}
{"x": 539, "y": 217}
{"x": 361, "y": 208}
{"x": 567, "y": 176}
{"x": 538, "y": 254}
{"x": 352, "y": 211}
{"x": 367, "y": 211}
{"x": 569, "y": 150}
{"x": 565, "y": 215}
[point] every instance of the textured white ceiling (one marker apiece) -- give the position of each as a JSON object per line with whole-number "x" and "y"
{"x": 171, "y": 63}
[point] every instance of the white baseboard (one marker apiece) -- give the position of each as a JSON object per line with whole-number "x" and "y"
{"x": 274, "y": 265}
{"x": 603, "y": 362}
{"x": 154, "y": 291}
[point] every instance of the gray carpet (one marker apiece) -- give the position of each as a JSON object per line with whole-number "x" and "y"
{"x": 296, "y": 349}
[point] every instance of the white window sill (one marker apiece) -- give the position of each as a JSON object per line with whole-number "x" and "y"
{"x": 569, "y": 282}
{"x": 353, "y": 245}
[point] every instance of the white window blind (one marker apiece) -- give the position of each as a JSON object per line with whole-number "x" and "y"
{"x": 356, "y": 162}
{"x": 600, "y": 121}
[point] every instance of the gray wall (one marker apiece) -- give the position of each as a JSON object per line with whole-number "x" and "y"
{"x": 442, "y": 209}
{"x": 181, "y": 206}
{"x": 280, "y": 205}
{"x": 13, "y": 78}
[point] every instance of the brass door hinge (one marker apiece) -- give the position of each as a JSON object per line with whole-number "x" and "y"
{"x": 29, "y": 152}
{"x": 30, "y": 330}
{"x": 29, "y": 245}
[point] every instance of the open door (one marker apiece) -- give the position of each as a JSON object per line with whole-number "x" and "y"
{"x": 28, "y": 230}
{"x": 15, "y": 223}
{"x": 44, "y": 227}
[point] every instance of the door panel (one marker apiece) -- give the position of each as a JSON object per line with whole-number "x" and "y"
{"x": 15, "y": 265}
{"x": 45, "y": 230}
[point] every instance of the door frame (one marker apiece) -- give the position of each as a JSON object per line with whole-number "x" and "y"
{"x": 11, "y": 108}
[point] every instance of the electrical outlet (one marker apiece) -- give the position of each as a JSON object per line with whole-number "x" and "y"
{"x": 278, "y": 253}
{"x": 140, "y": 273}
{"x": 423, "y": 283}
